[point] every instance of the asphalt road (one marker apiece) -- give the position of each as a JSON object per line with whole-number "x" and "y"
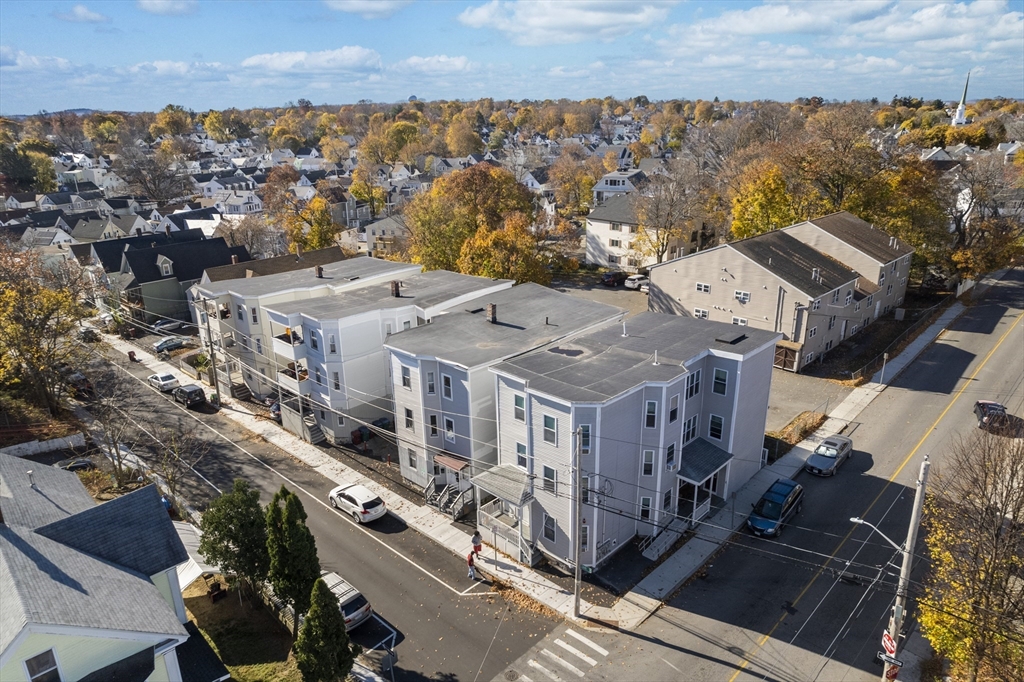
{"x": 813, "y": 604}
{"x": 448, "y": 628}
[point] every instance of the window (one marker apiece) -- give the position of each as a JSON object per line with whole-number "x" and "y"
{"x": 835, "y": 296}
{"x": 336, "y": 380}
{"x": 259, "y": 346}
{"x": 808, "y": 358}
{"x": 549, "y": 528}
{"x": 446, "y": 386}
{"x": 387, "y": 328}
{"x": 549, "y": 481}
{"x": 690, "y": 429}
{"x": 856, "y": 307}
{"x": 407, "y": 325}
{"x": 613, "y": 260}
{"x": 550, "y": 430}
{"x": 341, "y": 420}
{"x": 870, "y": 299}
{"x": 241, "y": 312}
{"x": 742, "y": 296}
{"x": 614, "y": 242}
{"x": 43, "y": 667}
{"x": 521, "y": 458}
{"x": 645, "y": 508}
{"x": 585, "y": 489}
{"x": 888, "y": 290}
{"x": 670, "y": 456}
{"x": 828, "y": 346}
{"x": 406, "y": 378}
{"x": 648, "y": 463}
{"x": 816, "y": 304}
{"x": 849, "y": 297}
{"x": 812, "y": 332}
{"x": 166, "y": 266}
{"x": 254, "y": 318}
{"x": 332, "y": 345}
{"x": 584, "y": 537}
{"x": 449, "y": 429}
{"x": 832, "y": 322}
{"x": 715, "y": 427}
{"x": 433, "y": 426}
{"x": 430, "y": 383}
{"x": 903, "y": 281}
{"x": 408, "y": 418}
{"x": 615, "y": 227}
{"x": 585, "y": 439}
{"x": 519, "y": 409}
{"x": 700, "y": 313}
{"x": 741, "y": 321}
{"x": 692, "y": 384}
{"x": 651, "y": 414}
{"x": 703, "y": 288}
{"x": 673, "y": 408}
{"x": 313, "y": 343}
{"x": 666, "y": 501}
{"x": 894, "y": 264}
{"x": 721, "y": 382}
{"x": 881, "y": 279}
{"x": 632, "y": 229}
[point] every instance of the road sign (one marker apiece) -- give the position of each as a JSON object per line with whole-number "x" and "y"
{"x": 892, "y": 673}
{"x": 888, "y": 644}
{"x": 890, "y": 660}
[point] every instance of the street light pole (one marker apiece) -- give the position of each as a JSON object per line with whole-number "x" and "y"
{"x": 578, "y": 523}
{"x": 213, "y": 356}
{"x": 899, "y": 608}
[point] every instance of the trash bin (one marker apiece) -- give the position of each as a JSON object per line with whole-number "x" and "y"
{"x": 131, "y": 356}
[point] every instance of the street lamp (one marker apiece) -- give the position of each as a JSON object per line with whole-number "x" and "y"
{"x": 857, "y": 519}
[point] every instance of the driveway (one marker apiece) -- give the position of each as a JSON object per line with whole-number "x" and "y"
{"x": 586, "y": 286}
{"x": 795, "y": 393}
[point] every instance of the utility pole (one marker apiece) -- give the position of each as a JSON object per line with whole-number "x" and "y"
{"x": 899, "y": 609}
{"x": 578, "y": 524}
{"x": 213, "y": 355}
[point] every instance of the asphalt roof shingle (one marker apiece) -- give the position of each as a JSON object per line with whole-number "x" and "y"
{"x": 189, "y": 259}
{"x": 788, "y": 258}
{"x": 617, "y": 209}
{"x": 862, "y": 235}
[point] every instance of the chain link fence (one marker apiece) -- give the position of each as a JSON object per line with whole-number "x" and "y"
{"x": 928, "y": 316}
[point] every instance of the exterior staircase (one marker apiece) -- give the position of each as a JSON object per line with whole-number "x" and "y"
{"x": 316, "y": 435}
{"x": 241, "y": 392}
{"x": 664, "y": 540}
{"x": 445, "y": 502}
{"x": 438, "y": 493}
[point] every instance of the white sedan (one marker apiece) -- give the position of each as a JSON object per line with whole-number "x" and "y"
{"x": 358, "y": 502}
{"x": 163, "y": 382}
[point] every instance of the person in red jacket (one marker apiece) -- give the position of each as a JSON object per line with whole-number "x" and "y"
{"x": 471, "y": 564}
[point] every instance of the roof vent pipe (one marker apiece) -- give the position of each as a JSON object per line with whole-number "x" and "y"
{"x": 31, "y": 481}
{"x": 656, "y": 356}
{"x": 319, "y": 270}
{"x": 624, "y": 334}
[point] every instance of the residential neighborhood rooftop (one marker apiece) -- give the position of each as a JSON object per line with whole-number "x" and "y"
{"x": 616, "y": 209}
{"x": 277, "y": 264}
{"x": 862, "y": 235}
{"x": 788, "y": 258}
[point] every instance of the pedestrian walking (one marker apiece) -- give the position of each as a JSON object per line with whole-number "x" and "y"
{"x": 478, "y": 543}
{"x": 471, "y": 564}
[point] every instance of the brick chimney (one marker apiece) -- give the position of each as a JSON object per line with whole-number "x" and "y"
{"x": 298, "y": 252}
{"x": 492, "y": 313}
{"x": 319, "y": 270}
{"x": 234, "y": 259}
{"x": 138, "y": 231}
{"x": 396, "y": 288}
{"x": 167, "y": 229}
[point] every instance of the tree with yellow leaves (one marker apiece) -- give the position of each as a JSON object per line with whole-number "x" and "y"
{"x": 763, "y": 203}
{"x": 311, "y": 226}
{"x": 509, "y": 252}
{"x": 365, "y": 188}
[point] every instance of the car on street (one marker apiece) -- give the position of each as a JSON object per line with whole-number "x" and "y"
{"x": 189, "y": 395}
{"x": 636, "y": 281}
{"x": 358, "y": 502}
{"x": 89, "y": 335}
{"x": 165, "y": 326}
{"x": 829, "y": 456}
{"x": 168, "y": 343}
{"x": 80, "y": 386}
{"x": 991, "y": 415}
{"x": 613, "y": 279}
{"x": 354, "y": 607}
{"x": 163, "y": 382}
{"x": 779, "y": 504}
{"x": 75, "y": 464}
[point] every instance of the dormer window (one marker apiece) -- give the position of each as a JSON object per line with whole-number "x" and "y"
{"x": 166, "y": 268}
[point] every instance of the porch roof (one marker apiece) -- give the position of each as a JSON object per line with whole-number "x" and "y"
{"x": 505, "y": 481}
{"x": 699, "y": 460}
{"x": 451, "y": 461}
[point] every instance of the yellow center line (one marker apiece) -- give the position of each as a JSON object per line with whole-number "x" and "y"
{"x": 761, "y": 642}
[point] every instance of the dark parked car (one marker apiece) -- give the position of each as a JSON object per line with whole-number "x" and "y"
{"x": 613, "y": 279}
{"x": 189, "y": 395}
{"x": 89, "y": 335}
{"x": 991, "y": 415}
{"x": 776, "y": 507}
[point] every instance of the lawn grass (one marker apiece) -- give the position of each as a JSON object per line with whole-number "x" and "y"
{"x": 253, "y": 645}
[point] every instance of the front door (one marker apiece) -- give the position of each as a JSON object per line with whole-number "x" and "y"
{"x": 842, "y": 334}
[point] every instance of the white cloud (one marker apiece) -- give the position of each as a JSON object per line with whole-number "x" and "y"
{"x": 17, "y": 60}
{"x": 80, "y": 14}
{"x": 562, "y": 72}
{"x": 436, "y": 64}
{"x": 351, "y": 58}
{"x": 168, "y": 7}
{"x": 368, "y": 9}
{"x": 8, "y": 57}
{"x": 551, "y": 22}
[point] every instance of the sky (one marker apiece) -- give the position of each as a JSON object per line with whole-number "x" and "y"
{"x": 142, "y": 55}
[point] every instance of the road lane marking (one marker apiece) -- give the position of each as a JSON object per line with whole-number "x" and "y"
{"x": 576, "y": 651}
{"x": 761, "y": 642}
{"x": 672, "y": 666}
{"x": 538, "y": 666}
{"x": 568, "y": 666}
{"x": 603, "y": 652}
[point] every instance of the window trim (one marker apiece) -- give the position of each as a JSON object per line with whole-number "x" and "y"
{"x": 255, "y": 315}
{"x": 721, "y": 428}
{"x": 406, "y": 377}
{"x": 411, "y": 460}
{"x": 516, "y": 409}
{"x": 549, "y": 484}
{"x": 644, "y": 462}
{"x": 431, "y": 388}
{"x": 651, "y": 415}
{"x": 645, "y": 509}
{"x": 725, "y": 382}
{"x": 524, "y": 455}
{"x": 553, "y": 430}
{"x": 447, "y": 389}
{"x": 544, "y": 527}
{"x": 670, "y": 455}
{"x": 585, "y": 439}
{"x": 410, "y": 421}
{"x": 700, "y": 313}
{"x": 313, "y": 343}
{"x": 703, "y": 288}
{"x": 449, "y": 429}
{"x": 56, "y": 665}
{"x": 673, "y": 408}
{"x": 433, "y": 426}
{"x": 585, "y": 489}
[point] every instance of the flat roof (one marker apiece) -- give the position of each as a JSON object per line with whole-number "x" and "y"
{"x": 528, "y": 315}
{"x": 423, "y": 289}
{"x": 603, "y": 363}
{"x": 335, "y": 274}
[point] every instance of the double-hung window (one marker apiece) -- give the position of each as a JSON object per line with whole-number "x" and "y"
{"x": 521, "y": 458}
{"x": 673, "y": 408}
{"x": 412, "y": 458}
{"x": 313, "y": 343}
{"x": 406, "y": 377}
{"x": 835, "y": 296}
{"x": 549, "y": 528}
{"x": 408, "y": 418}
{"x": 849, "y": 297}
{"x": 433, "y": 426}
{"x": 255, "y": 319}
{"x": 549, "y": 479}
{"x": 449, "y": 429}
{"x": 332, "y": 344}
{"x": 651, "y": 414}
{"x": 645, "y": 508}
{"x": 585, "y": 489}
{"x": 519, "y": 409}
{"x": 446, "y": 386}
{"x": 585, "y": 439}
{"x": 832, "y": 322}
{"x": 430, "y": 383}
{"x": 336, "y": 380}
{"x": 670, "y": 456}
{"x": 690, "y": 428}
{"x": 692, "y": 383}
{"x": 721, "y": 383}
{"x": 584, "y": 537}
{"x": 647, "y": 465}
{"x": 43, "y": 667}
{"x": 550, "y": 430}
{"x": 666, "y": 502}
{"x": 715, "y": 427}
{"x": 241, "y": 312}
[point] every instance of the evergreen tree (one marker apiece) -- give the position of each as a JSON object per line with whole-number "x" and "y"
{"x": 294, "y": 565}
{"x": 235, "y": 534}
{"x": 323, "y": 651}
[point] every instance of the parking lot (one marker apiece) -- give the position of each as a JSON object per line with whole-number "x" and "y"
{"x": 586, "y": 285}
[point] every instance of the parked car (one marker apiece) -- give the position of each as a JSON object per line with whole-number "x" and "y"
{"x": 828, "y": 456}
{"x": 275, "y": 411}
{"x": 76, "y": 464}
{"x": 613, "y": 279}
{"x": 358, "y": 502}
{"x": 777, "y": 506}
{"x": 991, "y": 415}
{"x": 163, "y": 382}
{"x": 636, "y": 281}
{"x": 645, "y": 288}
{"x": 168, "y": 343}
{"x": 165, "y": 326}
{"x": 354, "y": 607}
{"x": 189, "y": 395}
{"x": 80, "y": 386}
{"x": 89, "y": 335}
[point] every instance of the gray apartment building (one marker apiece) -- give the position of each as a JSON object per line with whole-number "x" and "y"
{"x": 661, "y": 413}
{"x": 444, "y": 397}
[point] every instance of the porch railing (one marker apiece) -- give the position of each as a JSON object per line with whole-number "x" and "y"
{"x": 461, "y": 504}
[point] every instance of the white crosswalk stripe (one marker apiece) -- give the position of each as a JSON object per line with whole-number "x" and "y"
{"x": 574, "y": 650}
{"x": 538, "y": 666}
{"x": 603, "y": 652}
{"x": 566, "y": 664}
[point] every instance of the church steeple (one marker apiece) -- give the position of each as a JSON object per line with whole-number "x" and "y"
{"x": 960, "y": 117}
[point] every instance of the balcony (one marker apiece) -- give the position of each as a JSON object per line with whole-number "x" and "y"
{"x": 290, "y": 345}
{"x": 295, "y": 381}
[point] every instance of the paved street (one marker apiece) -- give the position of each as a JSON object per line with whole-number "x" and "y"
{"x": 812, "y": 604}
{"x": 445, "y": 623}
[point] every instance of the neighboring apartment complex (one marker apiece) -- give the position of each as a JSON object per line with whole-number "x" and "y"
{"x": 661, "y": 413}
{"x": 444, "y": 394}
{"x": 611, "y": 230}
{"x": 777, "y": 281}
{"x": 89, "y": 592}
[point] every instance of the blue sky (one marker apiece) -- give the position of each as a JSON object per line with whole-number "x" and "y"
{"x": 141, "y": 55}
